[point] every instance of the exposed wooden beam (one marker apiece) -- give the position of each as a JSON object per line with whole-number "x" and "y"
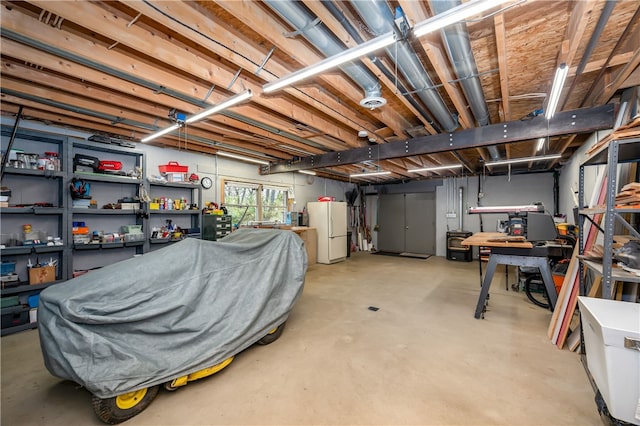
{"x": 97, "y": 20}
{"x": 231, "y": 45}
{"x": 605, "y": 93}
{"x": 573, "y": 36}
{"x": 501, "y": 46}
{"x": 122, "y": 65}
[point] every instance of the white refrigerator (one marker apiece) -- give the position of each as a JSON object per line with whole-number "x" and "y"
{"x": 330, "y": 221}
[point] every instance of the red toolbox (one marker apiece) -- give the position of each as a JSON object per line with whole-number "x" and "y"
{"x": 173, "y": 167}
{"x": 108, "y": 165}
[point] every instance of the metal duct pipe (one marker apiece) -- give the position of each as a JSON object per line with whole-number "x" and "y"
{"x": 303, "y": 21}
{"x": 460, "y": 211}
{"x": 337, "y": 13}
{"x": 380, "y": 20}
{"x": 456, "y": 40}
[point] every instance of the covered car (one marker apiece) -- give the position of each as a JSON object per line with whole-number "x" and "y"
{"x": 150, "y": 319}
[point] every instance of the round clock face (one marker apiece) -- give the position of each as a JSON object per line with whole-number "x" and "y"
{"x": 206, "y": 182}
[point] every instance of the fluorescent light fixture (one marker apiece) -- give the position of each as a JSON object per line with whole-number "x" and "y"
{"x": 556, "y": 90}
{"x": 243, "y": 158}
{"x": 432, "y": 169}
{"x": 453, "y": 15}
{"x": 332, "y": 61}
{"x": 219, "y": 107}
{"x": 366, "y": 174}
{"x": 540, "y": 143}
{"x": 524, "y": 160}
{"x": 199, "y": 116}
{"x": 160, "y": 133}
{"x": 307, "y": 172}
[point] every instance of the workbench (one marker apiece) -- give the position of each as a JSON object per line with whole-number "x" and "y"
{"x": 514, "y": 253}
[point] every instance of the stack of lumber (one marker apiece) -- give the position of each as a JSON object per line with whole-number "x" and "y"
{"x": 629, "y": 195}
{"x": 629, "y": 130}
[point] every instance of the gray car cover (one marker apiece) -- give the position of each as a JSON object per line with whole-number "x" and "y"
{"x": 150, "y": 319}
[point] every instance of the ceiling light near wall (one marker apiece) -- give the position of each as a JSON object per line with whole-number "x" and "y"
{"x": 199, "y": 116}
{"x": 556, "y": 90}
{"x": 524, "y": 160}
{"x": 160, "y": 133}
{"x": 241, "y": 157}
{"x": 366, "y": 174}
{"x": 307, "y": 172}
{"x": 219, "y": 107}
{"x": 541, "y": 142}
{"x": 432, "y": 169}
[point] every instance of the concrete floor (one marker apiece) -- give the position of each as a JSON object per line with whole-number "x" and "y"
{"x": 421, "y": 359}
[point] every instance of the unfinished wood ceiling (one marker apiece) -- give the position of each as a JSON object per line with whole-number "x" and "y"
{"x": 119, "y": 68}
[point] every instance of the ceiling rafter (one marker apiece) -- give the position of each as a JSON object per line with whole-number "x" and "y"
{"x": 229, "y": 43}
{"x": 95, "y": 19}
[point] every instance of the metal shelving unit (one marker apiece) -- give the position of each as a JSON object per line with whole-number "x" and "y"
{"x": 611, "y": 154}
{"x": 25, "y": 184}
{"x": 193, "y": 195}
{"x": 103, "y": 182}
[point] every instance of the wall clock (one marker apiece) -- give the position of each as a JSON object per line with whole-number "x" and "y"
{"x": 206, "y": 182}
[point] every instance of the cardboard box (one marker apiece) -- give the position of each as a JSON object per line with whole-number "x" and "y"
{"x": 611, "y": 338}
{"x": 41, "y": 275}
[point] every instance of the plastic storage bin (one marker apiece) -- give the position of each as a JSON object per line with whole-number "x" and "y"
{"x": 8, "y": 268}
{"x": 612, "y": 340}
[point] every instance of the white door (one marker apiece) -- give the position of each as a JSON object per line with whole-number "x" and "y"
{"x": 338, "y": 219}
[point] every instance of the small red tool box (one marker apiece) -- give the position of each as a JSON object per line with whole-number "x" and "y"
{"x": 173, "y": 167}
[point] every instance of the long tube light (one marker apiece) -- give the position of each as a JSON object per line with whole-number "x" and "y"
{"x": 199, "y": 116}
{"x": 556, "y": 90}
{"x": 432, "y": 169}
{"x": 453, "y": 15}
{"x": 160, "y": 133}
{"x": 307, "y": 172}
{"x": 524, "y": 160}
{"x": 241, "y": 157}
{"x": 432, "y": 24}
{"x": 541, "y": 142}
{"x": 219, "y": 107}
{"x": 332, "y": 61}
{"x": 366, "y": 174}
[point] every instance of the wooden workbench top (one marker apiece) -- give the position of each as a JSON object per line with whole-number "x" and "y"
{"x": 494, "y": 239}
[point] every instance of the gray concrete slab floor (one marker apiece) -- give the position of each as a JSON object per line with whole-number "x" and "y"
{"x": 421, "y": 359}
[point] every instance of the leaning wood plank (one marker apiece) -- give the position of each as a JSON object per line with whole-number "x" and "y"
{"x": 568, "y": 314}
{"x": 573, "y": 341}
{"x": 590, "y": 231}
{"x": 594, "y": 291}
{"x": 569, "y": 277}
{"x": 618, "y": 291}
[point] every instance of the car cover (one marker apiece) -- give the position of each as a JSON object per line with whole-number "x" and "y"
{"x": 171, "y": 312}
